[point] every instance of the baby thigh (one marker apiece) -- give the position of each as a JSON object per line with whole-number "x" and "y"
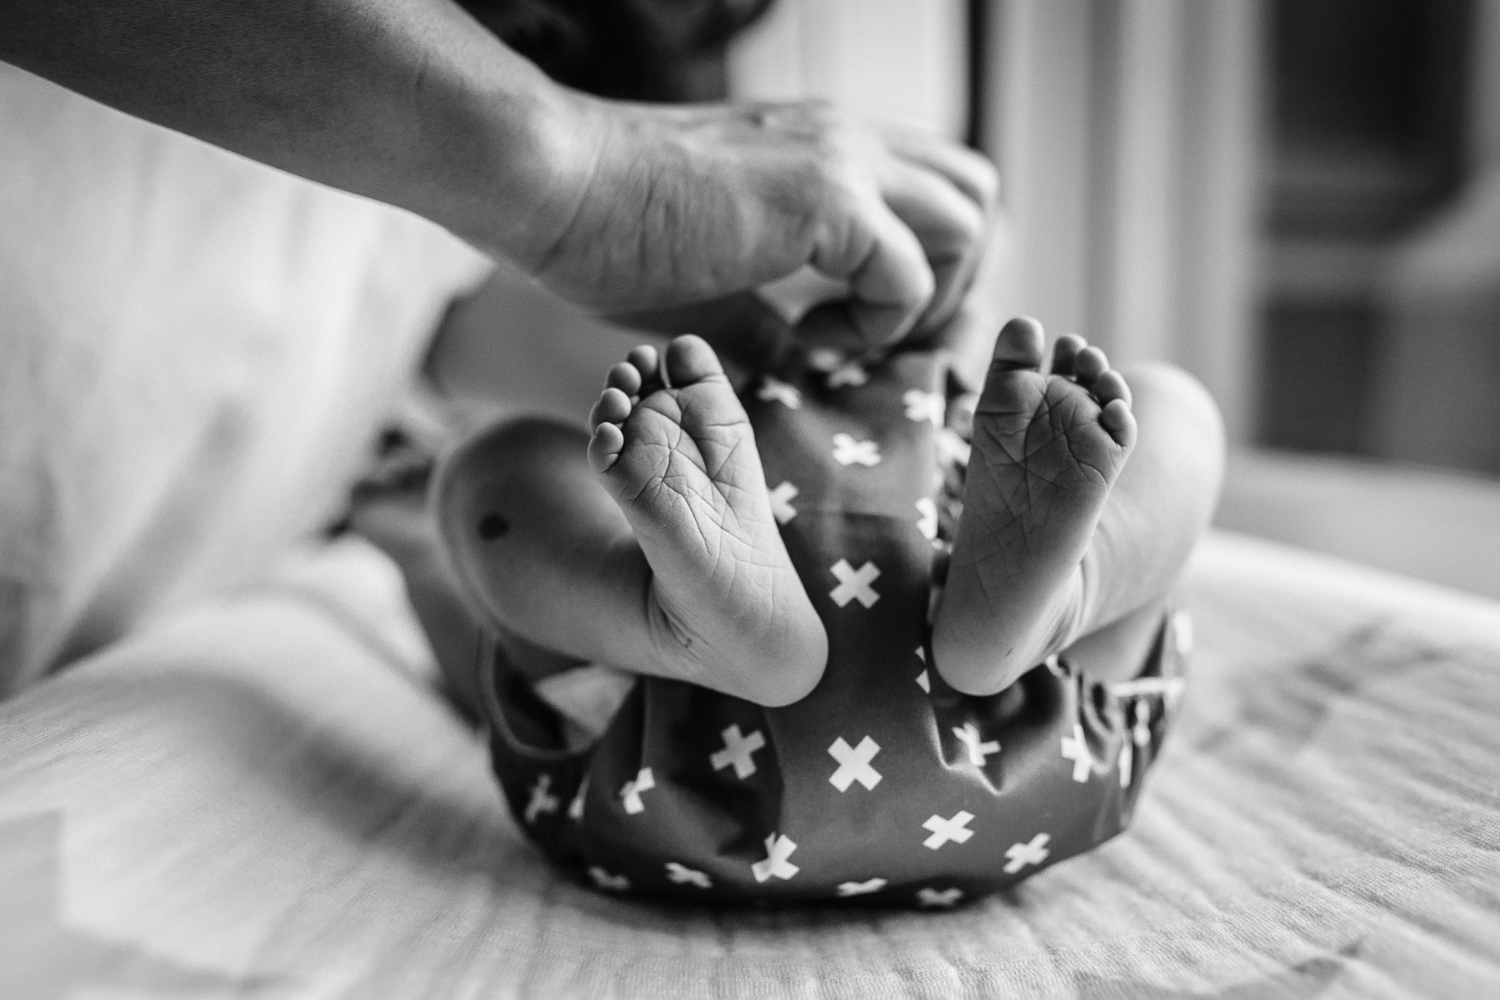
{"x": 1159, "y": 508}
{"x": 533, "y": 537}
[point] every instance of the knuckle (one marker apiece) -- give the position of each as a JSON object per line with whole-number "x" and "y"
{"x": 984, "y": 168}
{"x": 969, "y": 226}
{"x": 987, "y": 179}
{"x": 831, "y": 183}
{"x": 806, "y": 119}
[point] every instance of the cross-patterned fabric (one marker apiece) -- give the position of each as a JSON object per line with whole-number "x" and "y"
{"x": 884, "y": 786}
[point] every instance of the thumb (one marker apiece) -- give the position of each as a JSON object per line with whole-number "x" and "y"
{"x": 890, "y": 281}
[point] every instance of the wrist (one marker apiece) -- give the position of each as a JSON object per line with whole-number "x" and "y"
{"x": 536, "y": 148}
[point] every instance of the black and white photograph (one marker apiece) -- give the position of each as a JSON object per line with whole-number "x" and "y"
{"x": 750, "y": 499}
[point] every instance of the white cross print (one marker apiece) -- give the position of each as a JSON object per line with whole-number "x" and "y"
{"x": 683, "y": 875}
{"x": 1173, "y": 693}
{"x": 945, "y": 898}
{"x": 1169, "y": 688}
{"x": 1141, "y": 731}
{"x": 854, "y": 584}
{"x": 575, "y": 808}
{"x": 604, "y": 880}
{"x": 781, "y": 503}
{"x": 631, "y": 790}
{"x": 952, "y": 448}
{"x": 1033, "y": 852}
{"x": 944, "y": 830}
{"x": 847, "y": 451}
{"x": 774, "y": 390}
{"x": 861, "y": 888}
{"x": 1145, "y": 686}
{"x": 542, "y": 801}
{"x": 824, "y": 359}
{"x": 927, "y": 524}
{"x": 977, "y": 751}
{"x": 1076, "y": 749}
{"x": 738, "y": 750}
{"x": 778, "y": 849}
{"x": 854, "y": 764}
{"x": 851, "y": 374}
{"x": 923, "y": 406}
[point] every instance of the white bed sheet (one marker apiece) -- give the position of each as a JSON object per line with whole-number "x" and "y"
{"x": 261, "y": 798}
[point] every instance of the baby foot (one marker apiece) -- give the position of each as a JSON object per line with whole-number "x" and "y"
{"x": 674, "y": 448}
{"x": 1047, "y": 448}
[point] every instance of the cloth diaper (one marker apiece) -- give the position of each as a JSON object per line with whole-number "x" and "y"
{"x": 883, "y": 785}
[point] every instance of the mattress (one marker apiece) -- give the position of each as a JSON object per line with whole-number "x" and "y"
{"x": 263, "y": 798}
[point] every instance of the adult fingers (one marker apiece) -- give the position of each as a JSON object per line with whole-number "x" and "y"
{"x": 950, "y": 226}
{"x": 863, "y": 242}
{"x": 970, "y": 172}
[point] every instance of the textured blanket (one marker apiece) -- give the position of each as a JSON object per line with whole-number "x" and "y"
{"x": 262, "y": 799}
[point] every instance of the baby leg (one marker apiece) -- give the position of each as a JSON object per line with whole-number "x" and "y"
{"x": 1061, "y": 536}
{"x": 532, "y": 539}
{"x": 648, "y": 545}
{"x": 1159, "y": 508}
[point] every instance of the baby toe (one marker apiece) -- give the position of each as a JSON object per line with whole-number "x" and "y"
{"x": 624, "y": 377}
{"x": 1065, "y": 353}
{"x": 1119, "y": 422}
{"x": 690, "y": 359}
{"x": 647, "y": 364}
{"x": 1111, "y": 386}
{"x": 1019, "y": 345}
{"x": 1089, "y": 365}
{"x": 612, "y": 408}
{"x": 605, "y": 447}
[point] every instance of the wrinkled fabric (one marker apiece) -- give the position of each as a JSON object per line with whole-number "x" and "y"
{"x": 254, "y": 800}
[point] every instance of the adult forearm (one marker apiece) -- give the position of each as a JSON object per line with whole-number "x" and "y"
{"x": 621, "y": 207}
{"x": 406, "y": 101}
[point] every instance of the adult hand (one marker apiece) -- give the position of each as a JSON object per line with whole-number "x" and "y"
{"x": 694, "y": 206}
{"x": 616, "y": 206}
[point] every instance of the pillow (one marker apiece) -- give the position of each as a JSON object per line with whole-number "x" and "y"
{"x": 196, "y": 349}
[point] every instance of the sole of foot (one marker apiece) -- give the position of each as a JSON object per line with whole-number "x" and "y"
{"x": 1047, "y": 448}
{"x": 674, "y": 449}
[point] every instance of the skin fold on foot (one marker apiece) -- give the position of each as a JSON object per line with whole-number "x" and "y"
{"x": 1047, "y": 448}
{"x": 674, "y": 449}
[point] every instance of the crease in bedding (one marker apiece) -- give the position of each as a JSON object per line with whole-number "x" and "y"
{"x": 249, "y": 791}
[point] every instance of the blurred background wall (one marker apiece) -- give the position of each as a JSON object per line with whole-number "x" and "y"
{"x": 1297, "y": 200}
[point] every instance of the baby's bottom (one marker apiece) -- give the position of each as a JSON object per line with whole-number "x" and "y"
{"x": 652, "y": 544}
